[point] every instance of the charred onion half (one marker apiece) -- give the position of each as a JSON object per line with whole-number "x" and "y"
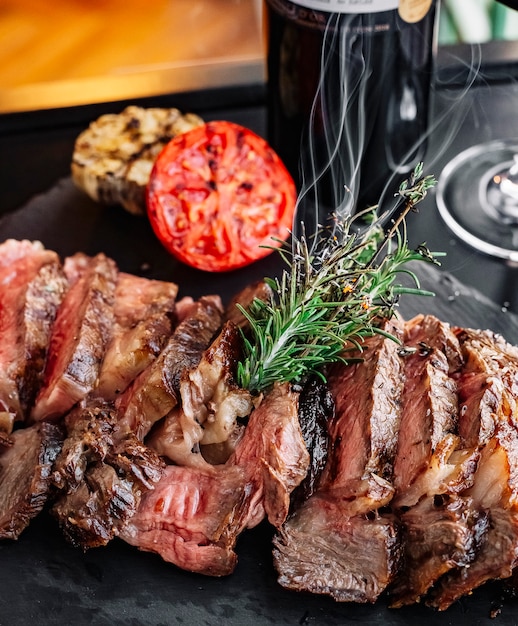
{"x": 338, "y": 286}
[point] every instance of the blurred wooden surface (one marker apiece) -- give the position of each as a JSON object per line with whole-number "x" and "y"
{"x": 73, "y": 42}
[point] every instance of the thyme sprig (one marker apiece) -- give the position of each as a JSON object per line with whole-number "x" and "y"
{"x": 334, "y": 294}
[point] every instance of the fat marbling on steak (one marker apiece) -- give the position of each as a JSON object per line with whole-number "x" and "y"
{"x": 206, "y": 420}
{"x": 144, "y": 318}
{"x": 440, "y": 529}
{"x": 488, "y": 392}
{"x": 194, "y": 515}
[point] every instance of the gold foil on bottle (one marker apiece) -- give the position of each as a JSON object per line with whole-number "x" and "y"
{"x": 414, "y": 10}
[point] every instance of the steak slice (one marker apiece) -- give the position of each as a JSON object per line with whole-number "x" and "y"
{"x": 430, "y": 407}
{"x": 32, "y": 288}
{"x": 195, "y": 515}
{"x": 273, "y": 453}
{"x": 245, "y": 298}
{"x": 156, "y": 391}
{"x": 191, "y": 518}
{"x": 80, "y": 336}
{"x": 211, "y": 404}
{"x": 338, "y": 543}
{"x": 43, "y": 299}
{"x": 316, "y": 410}
{"x": 144, "y": 313}
{"x": 25, "y": 476}
{"x": 430, "y": 468}
{"x": 351, "y": 559}
{"x": 101, "y": 478}
{"x": 439, "y": 533}
{"x": 489, "y": 382}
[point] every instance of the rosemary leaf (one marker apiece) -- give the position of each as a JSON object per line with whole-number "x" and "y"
{"x": 333, "y": 295}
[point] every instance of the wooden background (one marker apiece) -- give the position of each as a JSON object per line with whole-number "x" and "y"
{"x": 70, "y": 40}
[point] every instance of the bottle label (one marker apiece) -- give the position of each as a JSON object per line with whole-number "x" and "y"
{"x": 413, "y": 11}
{"x": 348, "y": 6}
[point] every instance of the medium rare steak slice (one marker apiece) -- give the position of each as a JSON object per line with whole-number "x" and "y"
{"x": 194, "y": 515}
{"x": 487, "y": 419}
{"x": 144, "y": 312}
{"x": 80, "y": 336}
{"x": 364, "y": 433}
{"x": 43, "y": 299}
{"x": 101, "y": 478}
{"x": 156, "y": 391}
{"x": 338, "y": 543}
{"x": 32, "y": 288}
{"x": 192, "y": 518}
{"x": 430, "y": 408}
{"x": 25, "y": 476}
{"x": 430, "y": 468}
{"x": 273, "y": 453}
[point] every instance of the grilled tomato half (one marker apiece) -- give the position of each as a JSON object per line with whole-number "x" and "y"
{"x": 217, "y": 194}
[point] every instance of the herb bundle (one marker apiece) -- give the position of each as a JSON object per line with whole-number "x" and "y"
{"x": 334, "y": 294}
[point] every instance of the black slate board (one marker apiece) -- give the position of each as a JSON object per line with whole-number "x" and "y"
{"x": 43, "y": 580}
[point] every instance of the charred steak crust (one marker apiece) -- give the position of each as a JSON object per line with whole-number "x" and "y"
{"x": 316, "y": 410}
{"x": 339, "y": 542}
{"x": 101, "y": 478}
{"x": 401, "y": 476}
{"x": 79, "y": 339}
{"x": 25, "y": 476}
{"x": 156, "y": 391}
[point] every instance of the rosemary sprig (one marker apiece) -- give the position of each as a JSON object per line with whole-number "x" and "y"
{"x": 333, "y": 295}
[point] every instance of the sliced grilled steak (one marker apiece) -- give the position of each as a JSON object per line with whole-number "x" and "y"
{"x": 338, "y": 543}
{"x": 364, "y": 433}
{"x": 273, "y": 453}
{"x": 430, "y": 407}
{"x": 430, "y": 469}
{"x": 79, "y": 337}
{"x": 144, "y": 316}
{"x": 194, "y": 515}
{"x": 487, "y": 420}
{"x": 439, "y": 533}
{"x": 156, "y": 391}
{"x": 189, "y": 519}
{"x": 27, "y": 310}
{"x": 101, "y": 477}
{"x": 211, "y": 404}
{"x": 43, "y": 299}
{"x": 25, "y": 476}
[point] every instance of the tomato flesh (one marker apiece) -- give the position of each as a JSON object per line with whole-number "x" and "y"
{"x": 218, "y": 193}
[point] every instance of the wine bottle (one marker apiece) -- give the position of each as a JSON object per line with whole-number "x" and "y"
{"x": 348, "y": 95}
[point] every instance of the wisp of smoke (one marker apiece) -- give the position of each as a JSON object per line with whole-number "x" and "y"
{"x": 339, "y": 128}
